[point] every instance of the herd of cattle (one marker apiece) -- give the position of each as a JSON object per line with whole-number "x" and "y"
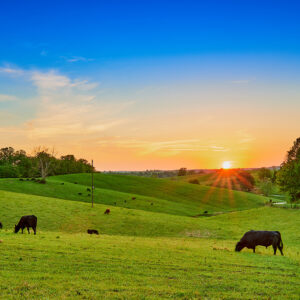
{"x": 250, "y": 239}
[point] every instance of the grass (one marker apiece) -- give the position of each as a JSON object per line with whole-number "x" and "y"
{"x": 139, "y": 254}
{"x": 157, "y": 195}
{"x": 116, "y": 267}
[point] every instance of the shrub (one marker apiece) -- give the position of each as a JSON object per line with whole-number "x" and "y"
{"x": 194, "y": 181}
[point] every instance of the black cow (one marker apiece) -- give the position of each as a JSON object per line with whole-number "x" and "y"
{"x": 92, "y": 231}
{"x": 88, "y": 190}
{"x": 107, "y": 211}
{"x": 27, "y": 221}
{"x": 1, "y": 226}
{"x": 253, "y": 238}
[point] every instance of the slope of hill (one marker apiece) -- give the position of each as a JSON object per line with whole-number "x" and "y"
{"x": 198, "y": 198}
{"x": 229, "y": 179}
{"x": 142, "y": 254}
{"x": 76, "y": 217}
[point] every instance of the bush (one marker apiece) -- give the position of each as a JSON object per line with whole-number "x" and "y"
{"x": 8, "y": 171}
{"x": 194, "y": 181}
{"x": 182, "y": 172}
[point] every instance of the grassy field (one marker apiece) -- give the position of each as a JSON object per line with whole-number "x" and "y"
{"x": 142, "y": 252}
{"x": 157, "y": 195}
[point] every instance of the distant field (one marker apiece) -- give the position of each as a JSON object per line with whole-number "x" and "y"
{"x": 158, "y": 195}
{"x": 140, "y": 253}
{"x": 227, "y": 181}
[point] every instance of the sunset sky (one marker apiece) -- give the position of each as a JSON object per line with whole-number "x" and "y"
{"x": 152, "y": 84}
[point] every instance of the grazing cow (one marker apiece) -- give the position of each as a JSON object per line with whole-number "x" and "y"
{"x": 88, "y": 190}
{"x": 107, "y": 211}
{"x": 27, "y": 221}
{"x": 253, "y": 238}
{"x": 75, "y": 182}
{"x": 92, "y": 231}
{"x": 1, "y": 226}
{"x": 133, "y": 198}
{"x": 62, "y": 183}
{"x": 79, "y": 194}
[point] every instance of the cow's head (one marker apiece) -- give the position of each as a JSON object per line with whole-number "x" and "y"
{"x": 239, "y": 246}
{"x": 16, "y": 229}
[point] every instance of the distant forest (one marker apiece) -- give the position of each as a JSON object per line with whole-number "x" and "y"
{"x": 41, "y": 163}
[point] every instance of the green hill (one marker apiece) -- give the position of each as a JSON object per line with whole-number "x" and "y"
{"x": 193, "y": 196}
{"x": 141, "y": 254}
{"x": 143, "y": 251}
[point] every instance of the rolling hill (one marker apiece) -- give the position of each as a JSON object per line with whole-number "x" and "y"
{"x": 143, "y": 251}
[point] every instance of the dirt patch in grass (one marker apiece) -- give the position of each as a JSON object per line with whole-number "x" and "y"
{"x": 197, "y": 233}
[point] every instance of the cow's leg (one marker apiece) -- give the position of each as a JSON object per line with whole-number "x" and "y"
{"x": 22, "y": 230}
{"x": 275, "y": 249}
{"x": 34, "y": 229}
{"x": 253, "y": 249}
{"x": 280, "y": 248}
{"x": 28, "y": 230}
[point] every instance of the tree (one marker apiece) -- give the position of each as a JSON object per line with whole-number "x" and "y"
{"x": 8, "y": 171}
{"x": 6, "y": 155}
{"x": 288, "y": 177}
{"x": 45, "y": 160}
{"x": 182, "y": 172}
{"x": 245, "y": 180}
{"x": 264, "y": 173}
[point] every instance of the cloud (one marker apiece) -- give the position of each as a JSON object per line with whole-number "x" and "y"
{"x": 11, "y": 71}
{"x": 7, "y": 98}
{"x": 244, "y": 137}
{"x": 73, "y": 59}
{"x": 170, "y": 147}
{"x": 217, "y": 148}
{"x": 52, "y": 80}
{"x": 65, "y": 110}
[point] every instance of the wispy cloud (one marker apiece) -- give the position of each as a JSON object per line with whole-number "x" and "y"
{"x": 73, "y": 59}
{"x": 169, "y": 147}
{"x": 244, "y": 137}
{"x": 50, "y": 80}
{"x": 53, "y": 80}
{"x": 218, "y": 148}
{"x": 11, "y": 70}
{"x": 66, "y": 109}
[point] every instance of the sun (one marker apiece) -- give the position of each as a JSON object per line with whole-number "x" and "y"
{"x": 226, "y": 165}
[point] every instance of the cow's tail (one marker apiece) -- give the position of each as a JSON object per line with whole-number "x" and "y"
{"x": 280, "y": 240}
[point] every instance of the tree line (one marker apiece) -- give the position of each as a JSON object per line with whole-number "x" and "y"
{"x": 288, "y": 177}
{"x": 42, "y": 163}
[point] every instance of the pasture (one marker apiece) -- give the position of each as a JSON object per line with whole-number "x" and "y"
{"x": 143, "y": 251}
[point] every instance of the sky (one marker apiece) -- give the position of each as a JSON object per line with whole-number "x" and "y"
{"x": 139, "y": 85}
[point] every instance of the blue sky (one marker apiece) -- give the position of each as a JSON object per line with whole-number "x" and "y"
{"x": 144, "y": 62}
{"x": 42, "y": 32}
